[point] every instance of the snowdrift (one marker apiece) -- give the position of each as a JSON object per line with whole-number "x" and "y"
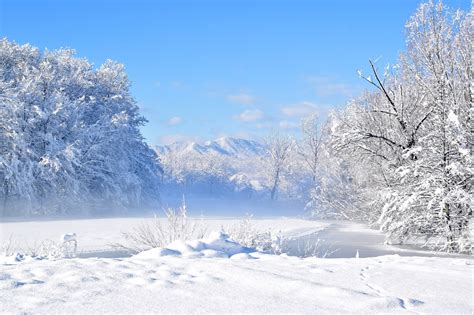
{"x": 218, "y": 244}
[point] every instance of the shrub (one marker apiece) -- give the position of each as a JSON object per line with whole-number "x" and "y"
{"x": 148, "y": 235}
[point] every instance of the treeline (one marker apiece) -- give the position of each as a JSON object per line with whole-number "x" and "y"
{"x": 244, "y": 176}
{"x": 401, "y": 155}
{"x": 69, "y": 136}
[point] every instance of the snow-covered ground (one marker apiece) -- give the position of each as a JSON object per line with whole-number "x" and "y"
{"x": 216, "y": 275}
{"x": 96, "y": 236}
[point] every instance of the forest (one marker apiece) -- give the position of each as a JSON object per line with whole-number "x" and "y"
{"x": 69, "y": 136}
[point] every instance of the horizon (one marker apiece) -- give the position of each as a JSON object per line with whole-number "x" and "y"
{"x": 201, "y": 71}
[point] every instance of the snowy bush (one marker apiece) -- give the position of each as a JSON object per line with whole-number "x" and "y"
{"x": 40, "y": 249}
{"x": 68, "y": 243}
{"x": 47, "y": 249}
{"x": 154, "y": 234}
{"x": 315, "y": 249}
{"x": 247, "y": 235}
{"x": 7, "y": 247}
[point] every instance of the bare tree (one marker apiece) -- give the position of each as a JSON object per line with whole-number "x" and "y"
{"x": 278, "y": 150}
{"x": 309, "y": 148}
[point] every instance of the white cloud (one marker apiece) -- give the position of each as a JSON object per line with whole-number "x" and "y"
{"x": 172, "y": 138}
{"x": 242, "y": 98}
{"x": 173, "y": 121}
{"x": 250, "y": 115}
{"x": 301, "y": 109}
{"x": 285, "y": 124}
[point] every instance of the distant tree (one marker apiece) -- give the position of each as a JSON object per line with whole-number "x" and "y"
{"x": 310, "y": 146}
{"x": 278, "y": 152}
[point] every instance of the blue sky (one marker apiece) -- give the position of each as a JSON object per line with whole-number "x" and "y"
{"x": 206, "y": 69}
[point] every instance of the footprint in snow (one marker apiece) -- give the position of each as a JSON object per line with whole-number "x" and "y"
{"x": 409, "y": 303}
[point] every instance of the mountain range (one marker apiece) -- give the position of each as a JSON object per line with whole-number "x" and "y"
{"x": 223, "y": 146}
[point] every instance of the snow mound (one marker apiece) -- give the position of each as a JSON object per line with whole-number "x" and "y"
{"x": 14, "y": 259}
{"x": 11, "y": 259}
{"x": 218, "y": 244}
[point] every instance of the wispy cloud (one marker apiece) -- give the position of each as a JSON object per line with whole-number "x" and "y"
{"x": 301, "y": 109}
{"x": 173, "y": 121}
{"x": 241, "y": 98}
{"x": 250, "y": 115}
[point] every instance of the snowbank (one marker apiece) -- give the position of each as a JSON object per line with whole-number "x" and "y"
{"x": 13, "y": 258}
{"x": 218, "y": 244}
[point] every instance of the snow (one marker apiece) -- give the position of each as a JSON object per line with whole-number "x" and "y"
{"x": 71, "y": 145}
{"x": 218, "y": 244}
{"x": 222, "y": 146}
{"x": 264, "y": 284}
{"x": 68, "y": 237}
{"x": 216, "y": 274}
{"x": 97, "y": 235}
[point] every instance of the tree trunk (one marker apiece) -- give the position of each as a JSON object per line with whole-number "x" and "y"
{"x": 274, "y": 194}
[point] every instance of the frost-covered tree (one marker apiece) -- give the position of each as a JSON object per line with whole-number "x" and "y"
{"x": 413, "y": 134}
{"x": 311, "y": 144}
{"x": 69, "y": 133}
{"x": 278, "y": 149}
{"x": 335, "y": 194}
{"x": 193, "y": 172}
{"x": 434, "y": 196}
{"x": 226, "y": 167}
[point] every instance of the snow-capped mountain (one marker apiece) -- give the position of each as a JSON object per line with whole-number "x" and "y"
{"x": 225, "y": 146}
